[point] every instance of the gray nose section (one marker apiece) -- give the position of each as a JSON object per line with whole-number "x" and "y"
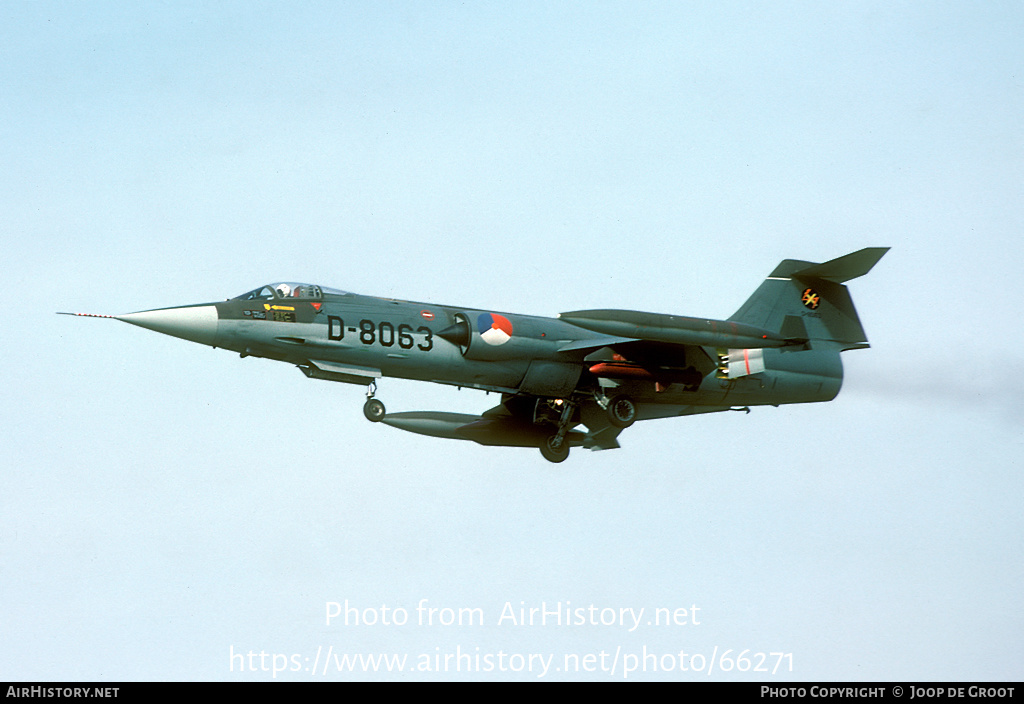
{"x": 195, "y": 323}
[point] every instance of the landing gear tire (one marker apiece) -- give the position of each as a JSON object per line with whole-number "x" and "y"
{"x": 621, "y": 411}
{"x": 373, "y": 410}
{"x": 553, "y": 454}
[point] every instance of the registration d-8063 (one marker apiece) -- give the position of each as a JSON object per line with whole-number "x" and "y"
{"x": 384, "y": 333}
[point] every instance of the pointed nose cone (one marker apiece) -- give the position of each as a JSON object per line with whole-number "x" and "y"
{"x": 195, "y": 323}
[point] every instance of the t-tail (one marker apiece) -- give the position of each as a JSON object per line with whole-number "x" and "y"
{"x": 805, "y": 301}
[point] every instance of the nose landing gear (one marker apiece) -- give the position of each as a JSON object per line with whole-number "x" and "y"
{"x": 373, "y": 409}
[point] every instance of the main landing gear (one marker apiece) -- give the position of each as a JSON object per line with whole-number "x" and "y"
{"x": 373, "y": 409}
{"x": 621, "y": 411}
{"x": 555, "y": 448}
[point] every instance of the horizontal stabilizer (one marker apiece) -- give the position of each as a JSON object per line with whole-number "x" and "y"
{"x": 843, "y": 268}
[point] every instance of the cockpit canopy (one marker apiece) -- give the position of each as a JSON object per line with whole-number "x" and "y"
{"x": 289, "y": 290}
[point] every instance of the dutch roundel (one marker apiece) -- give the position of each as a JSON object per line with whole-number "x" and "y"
{"x": 494, "y": 329}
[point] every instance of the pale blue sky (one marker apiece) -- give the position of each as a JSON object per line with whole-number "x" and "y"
{"x": 163, "y": 502}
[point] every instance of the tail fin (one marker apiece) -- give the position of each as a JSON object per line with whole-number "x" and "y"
{"x": 804, "y": 300}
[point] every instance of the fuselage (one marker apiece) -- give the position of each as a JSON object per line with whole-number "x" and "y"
{"x": 354, "y": 338}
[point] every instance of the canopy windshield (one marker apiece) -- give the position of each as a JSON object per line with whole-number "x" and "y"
{"x": 288, "y": 290}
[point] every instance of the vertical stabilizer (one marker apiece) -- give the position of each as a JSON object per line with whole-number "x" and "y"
{"x": 807, "y": 300}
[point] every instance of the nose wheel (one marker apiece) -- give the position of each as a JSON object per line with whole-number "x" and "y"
{"x": 373, "y": 409}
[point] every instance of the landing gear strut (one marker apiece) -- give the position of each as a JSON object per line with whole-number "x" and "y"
{"x": 373, "y": 409}
{"x": 555, "y": 448}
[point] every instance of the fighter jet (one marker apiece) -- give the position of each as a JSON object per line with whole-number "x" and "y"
{"x": 576, "y": 380}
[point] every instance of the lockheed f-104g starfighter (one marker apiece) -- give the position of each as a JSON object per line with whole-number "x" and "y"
{"x": 576, "y": 380}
